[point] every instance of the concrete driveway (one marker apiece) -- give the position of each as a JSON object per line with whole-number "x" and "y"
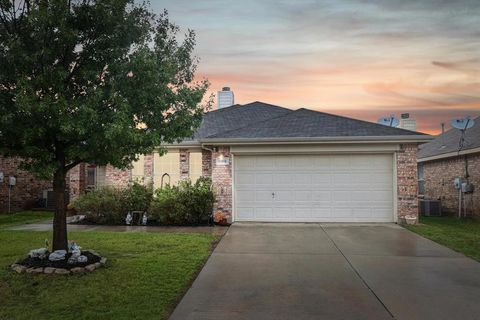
{"x": 332, "y": 271}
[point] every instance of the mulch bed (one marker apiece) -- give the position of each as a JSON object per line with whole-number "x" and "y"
{"x": 62, "y": 264}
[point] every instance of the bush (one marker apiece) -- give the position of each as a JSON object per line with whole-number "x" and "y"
{"x": 137, "y": 197}
{"x": 185, "y": 204}
{"x": 108, "y": 205}
{"x": 102, "y": 206}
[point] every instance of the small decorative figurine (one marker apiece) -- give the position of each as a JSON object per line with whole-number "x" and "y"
{"x": 128, "y": 219}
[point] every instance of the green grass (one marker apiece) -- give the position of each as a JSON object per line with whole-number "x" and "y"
{"x": 145, "y": 275}
{"x": 462, "y": 235}
{"x": 24, "y": 217}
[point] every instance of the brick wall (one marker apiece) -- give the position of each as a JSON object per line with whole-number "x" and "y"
{"x": 407, "y": 181}
{"x": 77, "y": 180}
{"x": 117, "y": 177}
{"x": 206, "y": 163}
{"x": 439, "y": 176}
{"x": 148, "y": 168}
{"x": 221, "y": 180}
{"x": 27, "y": 190}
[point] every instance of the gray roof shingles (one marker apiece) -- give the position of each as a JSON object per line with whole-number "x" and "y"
{"x": 258, "y": 120}
{"x": 449, "y": 142}
{"x": 304, "y": 123}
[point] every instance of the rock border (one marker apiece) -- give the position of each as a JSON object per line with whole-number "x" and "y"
{"x": 18, "y": 268}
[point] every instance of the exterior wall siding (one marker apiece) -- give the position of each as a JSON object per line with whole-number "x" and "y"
{"x": 439, "y": 176}
{"x": 27, "y": 191}
{"x": 407, "y": 182}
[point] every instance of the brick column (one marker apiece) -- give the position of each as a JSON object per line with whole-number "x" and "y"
{"x": 184, "y": 164}
{"x": 407, "y": 182}
{"x": 77, "y": 180}
{"x": 148, "y": 169}
{"x": 222, "y": 182}
{"x": 206, "y": 163}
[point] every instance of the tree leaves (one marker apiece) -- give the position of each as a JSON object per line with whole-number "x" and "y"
{"x": 93, "y": 81}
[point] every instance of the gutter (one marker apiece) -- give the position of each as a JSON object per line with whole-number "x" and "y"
{"x": 309, "y": 140}
{"x": 449, "y": 155}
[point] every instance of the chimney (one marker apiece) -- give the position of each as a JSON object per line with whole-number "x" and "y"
{"x": 407, "y": 123}
{"x": 443, "y": 127}
{"x": 225, "y": 98}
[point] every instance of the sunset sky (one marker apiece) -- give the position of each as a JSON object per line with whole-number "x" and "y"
{"x": 364, "y": 59}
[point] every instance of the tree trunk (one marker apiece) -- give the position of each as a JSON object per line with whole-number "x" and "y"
{"x": 60, "y": 218}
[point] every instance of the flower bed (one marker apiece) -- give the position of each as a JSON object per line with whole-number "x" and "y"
{"x": 184, "y": 204}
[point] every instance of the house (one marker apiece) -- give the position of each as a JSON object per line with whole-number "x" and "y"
{"x": 269, "y": 163}
{"x": 27, "y": 191}
{"x": 442, "y": 160}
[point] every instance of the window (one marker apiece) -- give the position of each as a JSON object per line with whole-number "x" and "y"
{"x": 421, "y": 179}
{"x": 91, "y": 172}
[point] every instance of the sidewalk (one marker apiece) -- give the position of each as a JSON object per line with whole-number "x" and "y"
{"x": 47, "y": 226}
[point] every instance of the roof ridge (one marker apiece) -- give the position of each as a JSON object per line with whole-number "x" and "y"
{"x": 358, "y": 120}
{"x": 268, "y": 104}
{"x": 256, "y": 122}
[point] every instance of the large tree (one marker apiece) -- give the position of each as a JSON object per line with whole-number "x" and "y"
{"x": 97, "y": 81}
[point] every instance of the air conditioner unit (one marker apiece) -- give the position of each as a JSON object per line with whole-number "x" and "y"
{"x": 49, "y": 198}
{"x": 430, "y": 208}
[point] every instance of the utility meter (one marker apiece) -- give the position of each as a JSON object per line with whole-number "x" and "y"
{"x": 457, "y": 183}
{"x": 467, "y": 187}
{"x": 1, "y": 176}
{"x": 12, "y": 181}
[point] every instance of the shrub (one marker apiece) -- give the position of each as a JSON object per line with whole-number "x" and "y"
{"x": 137, "y": 197}
{"x": 102, "y": 206}
{"x": 185, "y": 204}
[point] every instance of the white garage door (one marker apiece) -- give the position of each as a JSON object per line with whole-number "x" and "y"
{"x": 314, "y": 188}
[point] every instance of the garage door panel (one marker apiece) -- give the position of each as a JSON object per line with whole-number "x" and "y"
{"x": 262, "y": 195}
{"x": 337, "y": 188}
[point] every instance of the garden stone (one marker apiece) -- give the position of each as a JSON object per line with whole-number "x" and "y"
{"x": 78, "y": 270}
{"x": 97, "y": 265}
{"x": 103, "y": 261}
{"x": 61, "y": 271}
{"x": 90, "y": 267}
{"x": 57, "y": 255}
{"x": 49, "y": 270}
{"x": 82, "y": 259}
{"x": 29, "y": 270}
{"x": 38, "y": 253}
{"x": 18, "y": 268}
{"x": 38, "y": 270}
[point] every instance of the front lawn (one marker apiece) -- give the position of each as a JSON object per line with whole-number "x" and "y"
{"x": 462, "y": 235}
{"x": 24, "y": 217}
{"x": 145, "y": 275}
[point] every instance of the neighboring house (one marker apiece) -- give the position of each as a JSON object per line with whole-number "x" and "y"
{"x": 269, "y": 163}
{"x": 440, "y": 162}
{"x": 27, "y": 192}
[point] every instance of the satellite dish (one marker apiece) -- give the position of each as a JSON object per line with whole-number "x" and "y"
{"x": 462, "y": 124}
{"x": 389, "y": 121}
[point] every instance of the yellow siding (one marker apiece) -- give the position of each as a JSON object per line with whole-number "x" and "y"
{"x": 195, "y": 166}
{"x": 138, "y": 169}
{"x": 167, "y": 163}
